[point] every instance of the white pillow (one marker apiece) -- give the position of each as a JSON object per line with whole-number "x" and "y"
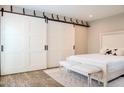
{"x": 114, "y": 51}
{"x": 117, "y": 52}
{"x": 102, "y": 51}
{"x": 120, "y": 52}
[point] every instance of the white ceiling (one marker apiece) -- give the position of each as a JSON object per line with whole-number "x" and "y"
{"x": 80, "y": 11}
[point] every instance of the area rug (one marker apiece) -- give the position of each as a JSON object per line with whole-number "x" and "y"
{"x": 72, "y": 79}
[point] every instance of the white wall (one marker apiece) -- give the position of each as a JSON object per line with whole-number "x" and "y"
{"x": 113, "y": 23}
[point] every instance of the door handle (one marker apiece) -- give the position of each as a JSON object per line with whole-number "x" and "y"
{"x": 2, "y": 48}
{"x": 73, "y": 47}
{"x": 46, "y": 47}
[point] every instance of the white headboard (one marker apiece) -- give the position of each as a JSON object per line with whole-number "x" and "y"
{"x": 112, "y": 40}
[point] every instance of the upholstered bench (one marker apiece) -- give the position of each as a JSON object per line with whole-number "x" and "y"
{"x": 84, "y": 69}
{"x": 67, "y": 64}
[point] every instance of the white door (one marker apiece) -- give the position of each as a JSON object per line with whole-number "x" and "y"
{"x": 18, "y": 36}
{"x": 14, "y": 39}
{"x": 60, "y": 42}
{"x": 37, "y": 41}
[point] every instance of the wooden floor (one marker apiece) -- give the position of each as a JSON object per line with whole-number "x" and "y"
{"x": 28, "y": 79}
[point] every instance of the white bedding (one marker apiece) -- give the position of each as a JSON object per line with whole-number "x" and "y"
{"x": 114, "y": 63}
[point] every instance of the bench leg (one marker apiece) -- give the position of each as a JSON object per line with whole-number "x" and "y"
{"x": 89, "y": 80}
{"x": 99, "y": 82}
{"x": 105, "y": 83}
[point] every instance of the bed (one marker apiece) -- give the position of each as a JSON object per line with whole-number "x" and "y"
{"x": 112, "y": 65}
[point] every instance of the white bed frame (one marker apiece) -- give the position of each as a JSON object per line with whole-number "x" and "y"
{"x": 111, "y": 40}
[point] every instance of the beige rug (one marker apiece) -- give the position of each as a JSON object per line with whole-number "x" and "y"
{"x": 71, "y": 79}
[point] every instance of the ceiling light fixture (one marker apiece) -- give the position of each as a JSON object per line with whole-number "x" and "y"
{"x": 90, "y": 16}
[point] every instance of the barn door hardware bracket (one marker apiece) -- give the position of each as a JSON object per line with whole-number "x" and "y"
{"x": 11, "y": 8}
{"x": 77, "y": 21}
{"x": 87, "y": 24}
{"x": 24, "y": 11}
{"x": 57, "y": 17}
{"x": 82, "y": 22}
{"x": 2, "y": 10}
{"x": 64, "y": 18}
{"x": 2, "y": 48}
{"x": 45, "y": 17}
{"x": 52, "y": 16}
{"x": 46, "y": 47}
{"x": 34, "y": 13}
{"x": 71, "y": 20}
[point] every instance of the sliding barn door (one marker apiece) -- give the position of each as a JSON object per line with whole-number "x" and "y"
{"x": 23, "y": 40}
{"x": 14, "y": 44}
{"x": 37, "y": 41}
{"x": 60, "y": 42}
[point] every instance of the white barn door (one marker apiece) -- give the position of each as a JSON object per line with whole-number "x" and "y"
{"x": 60, "y": 41}
{"x": 23, "y": 44}
{"x": 14, "y": 40}
{"x": 37, "y": 41}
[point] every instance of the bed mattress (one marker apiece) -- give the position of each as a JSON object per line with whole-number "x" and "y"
{"x": 114, "y": 63}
